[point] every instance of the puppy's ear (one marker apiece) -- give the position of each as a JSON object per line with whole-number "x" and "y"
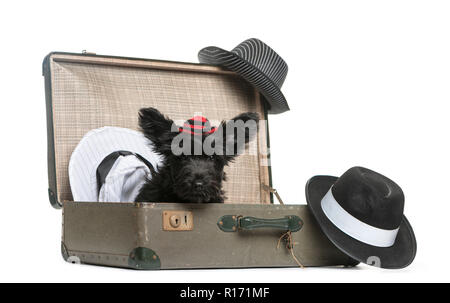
{"x": 156, "y": 128}
{"x": 237, "y": 132}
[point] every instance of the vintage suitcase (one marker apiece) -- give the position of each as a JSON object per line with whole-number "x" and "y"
{"x": 87, "y": 91}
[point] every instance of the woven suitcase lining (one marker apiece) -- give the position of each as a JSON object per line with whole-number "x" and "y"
{"x": 87, "y": 96}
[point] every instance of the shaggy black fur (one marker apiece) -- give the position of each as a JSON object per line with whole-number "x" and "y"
{"x": 193, "y": 178}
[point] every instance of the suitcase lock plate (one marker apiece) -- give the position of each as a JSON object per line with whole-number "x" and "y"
{"x": 177, "y": 220}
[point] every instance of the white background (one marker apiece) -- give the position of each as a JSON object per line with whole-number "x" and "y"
{"x": 368, "y": 84}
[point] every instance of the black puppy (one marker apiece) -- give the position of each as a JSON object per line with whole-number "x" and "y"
{"x": 194, "y": 156}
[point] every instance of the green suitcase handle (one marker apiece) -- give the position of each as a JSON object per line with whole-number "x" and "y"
{"x": 232, "y": 223}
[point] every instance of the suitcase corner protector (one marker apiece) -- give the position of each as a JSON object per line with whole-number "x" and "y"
{"x": 144, "y": 258}
{"x": 67, "y": 257}
{"x": 53, "y": 201}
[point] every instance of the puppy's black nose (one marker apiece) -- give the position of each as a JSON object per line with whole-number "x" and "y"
{"x": 198, "y": 184}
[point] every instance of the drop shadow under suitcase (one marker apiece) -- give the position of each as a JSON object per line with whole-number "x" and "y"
{"x": 87, "y": 91}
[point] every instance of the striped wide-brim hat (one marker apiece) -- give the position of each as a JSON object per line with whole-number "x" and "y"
{"x": 197, "y": 125}
{"x": 257, "y": 63}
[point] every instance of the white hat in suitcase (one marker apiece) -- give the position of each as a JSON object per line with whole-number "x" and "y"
{"x": 110, "y": 164}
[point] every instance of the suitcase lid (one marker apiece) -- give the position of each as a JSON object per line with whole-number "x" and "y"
{"x": 88, "y": 91}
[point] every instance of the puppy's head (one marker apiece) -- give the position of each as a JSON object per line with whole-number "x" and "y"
{"x": 196, "y": 159}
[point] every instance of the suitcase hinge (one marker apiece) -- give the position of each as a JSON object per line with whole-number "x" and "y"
{"x": 85, "y": 52}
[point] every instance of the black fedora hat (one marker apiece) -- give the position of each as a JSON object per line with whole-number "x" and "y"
{"x": 257, "y": 63}
{"x": 362, "y": 214}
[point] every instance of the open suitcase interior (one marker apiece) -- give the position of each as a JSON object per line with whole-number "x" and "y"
{"x": 84, "y": 92}
{"x": 89, "y": 92}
